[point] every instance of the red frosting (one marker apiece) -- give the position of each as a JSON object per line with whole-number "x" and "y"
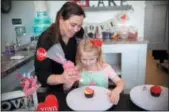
{"x": 88, "y": 90}
{"x": 156, "y": 89}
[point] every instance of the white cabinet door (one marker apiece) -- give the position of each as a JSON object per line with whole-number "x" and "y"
{"x": 130, "y": 68}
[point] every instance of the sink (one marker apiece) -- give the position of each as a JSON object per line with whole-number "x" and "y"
{"x": 25, "y": 49}
{"x": 17, "y": 57}
{"x": 28, "y": 47}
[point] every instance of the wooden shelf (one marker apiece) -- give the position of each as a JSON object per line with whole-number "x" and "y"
{"x": 108, "y": 8}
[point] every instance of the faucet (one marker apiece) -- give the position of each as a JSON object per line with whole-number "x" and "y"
{"x": 17, "y": 45}
{"x": 20, "y": 31}
{"x": 17, "y": 42}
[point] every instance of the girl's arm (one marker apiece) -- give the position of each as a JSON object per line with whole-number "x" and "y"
{"x": 115, "y": 93}
{"x": 119, "y": 84}
{"x": 114, "y": 77}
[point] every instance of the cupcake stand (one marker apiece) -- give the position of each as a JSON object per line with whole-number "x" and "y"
{"x": 141, "y": 96}
{"x": 76, "y": 99}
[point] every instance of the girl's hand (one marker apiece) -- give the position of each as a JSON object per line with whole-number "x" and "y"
{"x": 114, "y": 96}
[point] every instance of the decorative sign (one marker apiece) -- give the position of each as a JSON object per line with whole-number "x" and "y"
{"x": 13, "y": 104}
{"x": 110, "y": 2}
{"x": 15, "y": 100}
{"x": 103, "y": 26}
{"x": 41, "y": 54}
{"x": 50, "y": 104}
{"x": 109, "y": 25}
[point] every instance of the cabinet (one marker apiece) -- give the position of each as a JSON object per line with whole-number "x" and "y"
{"x": 132, "y": 64}
{"x": 10, "y": 82}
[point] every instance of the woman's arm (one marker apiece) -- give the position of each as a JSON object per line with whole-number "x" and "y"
{"x": 55, "y": 79}
{"x": 43, "y": 66}
{"x": 68, "y": 77}
{"x": 75, "y": 82}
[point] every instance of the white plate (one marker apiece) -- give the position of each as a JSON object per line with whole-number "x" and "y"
{"x": 145, "y": 100}
{"x": 76, "y": 99}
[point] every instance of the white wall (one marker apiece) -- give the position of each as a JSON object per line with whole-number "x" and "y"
{"x": 136, "y": 17}
{"x": 26, "y": 11}
{"x": 20, "y": 9}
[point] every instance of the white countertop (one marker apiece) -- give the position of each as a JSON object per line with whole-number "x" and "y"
{"x": 120, "y": 41}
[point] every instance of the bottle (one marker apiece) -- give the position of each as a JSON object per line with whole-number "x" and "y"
{"x": 8, "y": 49}
{"x": 97, "y": 34}
{"x": 12, "y": 46}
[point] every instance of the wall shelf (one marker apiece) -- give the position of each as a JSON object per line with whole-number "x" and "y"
{"x": 107, "y": 8}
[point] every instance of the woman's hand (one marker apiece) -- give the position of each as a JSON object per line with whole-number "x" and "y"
{"x": 114, "y": 96}
{"x": 70, "y": 76}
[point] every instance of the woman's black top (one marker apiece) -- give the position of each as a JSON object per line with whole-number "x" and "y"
{"x": 47, "y": 67}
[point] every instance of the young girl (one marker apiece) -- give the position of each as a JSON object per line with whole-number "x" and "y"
{"x": 94, "y": 70}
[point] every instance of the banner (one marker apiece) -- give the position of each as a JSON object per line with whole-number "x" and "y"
{"x": 103, "y": 26}
{"x": 108, "y": 25}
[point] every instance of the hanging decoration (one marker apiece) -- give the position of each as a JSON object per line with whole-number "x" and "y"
{"x": 123, "y": 17}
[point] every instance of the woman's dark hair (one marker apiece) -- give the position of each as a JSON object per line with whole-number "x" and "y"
{"x": 66, "y": 11}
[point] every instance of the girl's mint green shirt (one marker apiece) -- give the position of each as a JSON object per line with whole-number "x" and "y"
{"x": 97, "y": 78}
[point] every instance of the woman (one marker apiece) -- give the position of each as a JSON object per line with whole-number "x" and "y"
{"x": 67, "y": 26}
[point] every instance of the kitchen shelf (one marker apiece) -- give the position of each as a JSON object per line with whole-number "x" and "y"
{"x": 107, "y": 8}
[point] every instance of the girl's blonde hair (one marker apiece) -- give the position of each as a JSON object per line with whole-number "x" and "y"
{"x": 85, "y": 45}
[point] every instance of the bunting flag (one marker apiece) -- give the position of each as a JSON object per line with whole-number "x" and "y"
{"x": 116, "y": 26}
{"x": 107, "y": 25}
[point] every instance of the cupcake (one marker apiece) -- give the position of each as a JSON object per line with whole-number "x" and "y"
{"x": 155, "y": 90}
{"x": 89, "y": 92}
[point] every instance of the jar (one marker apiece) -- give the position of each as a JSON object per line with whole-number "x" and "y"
{"x": 124, "y": 34}
{"x": 123, "y": 30}
{"x": 9, "y": 49}
{"x": 132, "y": 33}
{"x": 106, "y": 35}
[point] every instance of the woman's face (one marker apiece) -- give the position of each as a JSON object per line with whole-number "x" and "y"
{"x": 70, "y": 26}
{"x": 88, "y": 59}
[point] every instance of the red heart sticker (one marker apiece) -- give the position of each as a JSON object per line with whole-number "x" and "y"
{"x": 123, "y": 17}
{"x": 50, "y": 104}
{"x": 41, "y": 54}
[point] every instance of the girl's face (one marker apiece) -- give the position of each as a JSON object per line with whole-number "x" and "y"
{"x": 88, "y": 59}
{"x": 70, "y": 26}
